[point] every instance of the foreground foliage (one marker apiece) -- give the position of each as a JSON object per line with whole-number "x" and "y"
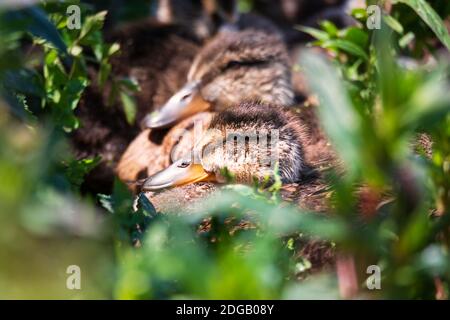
{"x": 245, "y": 243}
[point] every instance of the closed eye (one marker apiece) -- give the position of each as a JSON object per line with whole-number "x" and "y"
{"x": 186, "y": 96}
{"x": 244, "y": 63}
{"x": 184, "y": 164}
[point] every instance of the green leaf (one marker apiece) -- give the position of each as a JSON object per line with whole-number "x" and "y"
{"x": 39, "y": 26}
{"x": 92, "y": 24}
{"x": 15, "y": 105}
{"x": 346, "y": 46}
{"x": 406, "y": 39}
{"x": 130, "y": 84}
{"x": 338, "y": 117}
{"x": 112, "y": 49}
{"x": 77, "y": 170}
{"x": 129, "y": 106}
{"x": 105, "y": 71}
{"x": 356, "y": 36}
{"x": 359, "y": 14}
{"x": 430, "y": 17}
{"x": 106, "y": 202}
{"x": 73, "y": 90}
{"x": 315, "y": 33}
{"x": 67, "y": 121}
{"x": 24, "y": 81}
{"x": 146, "y": 205}
{"x": 393, "y": 23}
{"x": 429, "y": 103}
{"x": 329, "y": 28}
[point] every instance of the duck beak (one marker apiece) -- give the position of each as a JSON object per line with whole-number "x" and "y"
{"x": 186, "y": 102}
{"x": 179, "y": 173}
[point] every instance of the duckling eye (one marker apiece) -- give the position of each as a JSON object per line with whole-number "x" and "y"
{"x": 249, "y": 63}
{"x": 184, "y": 164}
{"x": 186, "y": 96}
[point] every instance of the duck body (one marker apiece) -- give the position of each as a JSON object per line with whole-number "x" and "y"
{"x": 250, "y": 141}
{"x": 157, "y": 54}
{"x": 234, "y": 67}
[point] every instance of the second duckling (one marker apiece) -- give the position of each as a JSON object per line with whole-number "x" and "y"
{"x": 232, "y": 68}
{"x": 250, "y": 140}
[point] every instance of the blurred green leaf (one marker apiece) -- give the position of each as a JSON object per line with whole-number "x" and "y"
{"x": 336, "y": 112}
{"x": 346, "y": 46}
{"x": 431, "y": 18}
{"x": 359, "y": 13}
{"x": 329, "y": 27}
{"x": 393, "y": 23}
{"x": 106, "y": 202}
{"x": 406, "y": 39}
{"x": 77, "y": 169}
{"x": 429, "y": 103}
{"x": 92, "y": 24}
{"x": 317, "y": 34}
{"x": 146, "y": 205}
{"x": 130, "y": 84}
{"x": 24, "y": 81}
{"x": 38, "y": 25}
{"x": 356, "y": 36}
{"x": 104, "y": 73}
{"x": 129, "y": 106}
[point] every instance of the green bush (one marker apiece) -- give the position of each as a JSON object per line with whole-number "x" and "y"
{"x": 245, "y": 243}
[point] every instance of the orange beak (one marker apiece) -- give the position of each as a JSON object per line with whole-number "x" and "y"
{"x": 179, "y": 173}
{"x": 186, "y": 102}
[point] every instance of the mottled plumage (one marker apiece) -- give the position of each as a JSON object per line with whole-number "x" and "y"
{"x": 248, "y": 142}
{"x": 243, "y": 66}
{"x": 232, "y": 68}
{"x": 259, "y": 137}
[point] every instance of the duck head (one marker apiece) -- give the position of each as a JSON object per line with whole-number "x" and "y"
{"x": 247, "y": 142}
{"x": 236, "y": 66}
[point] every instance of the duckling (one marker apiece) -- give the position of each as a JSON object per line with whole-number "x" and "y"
{"x": 234, "y": 67}
{"x": 173, "y": 190}
{"x": 249, "y": 140}
{"x": 156, "y": 52}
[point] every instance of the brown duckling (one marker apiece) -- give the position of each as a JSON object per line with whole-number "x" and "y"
{"x": 197, "y": 176}
{"x": 157, "y": 53}
{"x": 250, "y": 140}
{"x": 232, "y": 68}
